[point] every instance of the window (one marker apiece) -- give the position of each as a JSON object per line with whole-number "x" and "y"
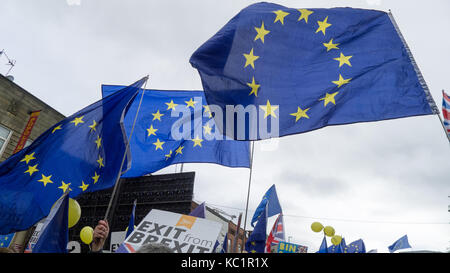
{"x": 5, "y": 134}
{"x": 28, "y": 143}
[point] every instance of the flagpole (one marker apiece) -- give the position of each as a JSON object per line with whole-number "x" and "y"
{"x": 248, "y": 190}
{"x": 127, "y": 147}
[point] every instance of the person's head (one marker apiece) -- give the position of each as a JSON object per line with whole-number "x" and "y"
{"x": 154, "y": 248}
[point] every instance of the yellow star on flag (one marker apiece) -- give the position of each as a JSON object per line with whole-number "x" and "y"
{"x": 157, "y": 115}
{"x": 190, "y": 103}
{"x": 254, "y": 87}
{"x": 77, "y": 121}
{"x": 93, "y": 126}
{"x": 197, "y": 141}
{"x": 300, "y": 114}
{"x": 64, "y": 186}
{"x": 330, "y": 45}
{"x": 250, "y": 59}
{"x": 98, "y": 142}
{"x": 32, "y": 169}
{"x": 261, "y": 33}
{"x": 280, "y": 16}
{"x": 158, "y": 144}
{"x": 83, "y": 186}
{"x": 171, "y": 105}
{"x": 329, "y": 98}
{"x": 207, "y": 129}
{"x": 344, "y": 60}
{"x": 96, "y": 177}
{"x": 304, "y": 14}
{"x": 269, "y": 109}
{"x": 179, "y": 150}
{"x": 207, "y": 110}
{"x": 151, "y": 131}
{"x": 100, "y": 162}
{"x": 56, "y": 128}
{"x": 169, "y": 155}
{"x": 28, "y": 158}
{"x": 323, "y": 25}
{"x": 45, "y": 179}
{"x": 341, "y": 81}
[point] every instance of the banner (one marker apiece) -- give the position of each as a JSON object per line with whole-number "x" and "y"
{"x": 182, "y": 233}
{"x": 27, "y": 131}
{"x": 285, "y": 247}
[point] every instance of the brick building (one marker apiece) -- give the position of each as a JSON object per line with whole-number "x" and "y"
{"x": 16, "y": 105}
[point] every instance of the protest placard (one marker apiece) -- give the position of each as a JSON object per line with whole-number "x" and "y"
{"x": 182, "y": 233}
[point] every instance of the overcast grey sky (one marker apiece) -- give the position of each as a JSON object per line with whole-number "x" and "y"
{"x": 376, "y": 181}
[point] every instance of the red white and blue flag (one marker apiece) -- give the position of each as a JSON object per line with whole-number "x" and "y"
{"x": 446, "y": 111}
{"x": 276, "y": 234}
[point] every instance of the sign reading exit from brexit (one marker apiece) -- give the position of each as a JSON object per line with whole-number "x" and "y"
{"x": 182, "y": 233}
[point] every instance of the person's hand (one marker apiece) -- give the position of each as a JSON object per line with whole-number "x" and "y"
{"x": 101, "y": 232}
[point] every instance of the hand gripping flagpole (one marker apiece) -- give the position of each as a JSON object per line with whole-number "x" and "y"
{"x": 248, "y": 191}
{"x": 113, "y": 199}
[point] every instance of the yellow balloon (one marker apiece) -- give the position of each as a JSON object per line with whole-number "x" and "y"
{"x": 316, "y": 227}
{"x": 86, "y": 234}
{"x": 329, "y": 231}
{"x": 74, "y": 212}
{"x": 336, "y": 240}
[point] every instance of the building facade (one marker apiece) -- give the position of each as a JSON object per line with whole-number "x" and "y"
{"x": 16, "y": 108}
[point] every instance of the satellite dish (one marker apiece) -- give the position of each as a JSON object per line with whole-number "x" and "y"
{"x": 10, "y": 77}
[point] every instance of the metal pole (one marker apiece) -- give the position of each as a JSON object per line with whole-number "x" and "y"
{"x": 127, "y": 147}
{"x": 248, "y": 190}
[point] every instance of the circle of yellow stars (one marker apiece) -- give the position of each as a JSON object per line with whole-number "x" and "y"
{"x": 322, "y": 26}
{"x": 158, "y": 117}
{"x": 46, "y": 178}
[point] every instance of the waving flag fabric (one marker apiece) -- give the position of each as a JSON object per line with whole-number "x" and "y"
{"x": 399, "y": 244}
{"x": 256, "y": 242}
{"x": 177, "y": 127}
{"x": 270, "y": 199}
{"x": 54, "y": 236}
{"x": 299, "y": 70}
{"x": 82, "y": 153}
{"x": 446, "y": 111}
{"x": 276, "y": 235}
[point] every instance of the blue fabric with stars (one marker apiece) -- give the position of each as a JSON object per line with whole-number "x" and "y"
{"x": 315, "y": 67}
{"x": 154, "y": 125}
{"x": 82, "y": 153}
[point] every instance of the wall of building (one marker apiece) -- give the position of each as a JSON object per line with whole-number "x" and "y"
{"x": 16, "y": 104}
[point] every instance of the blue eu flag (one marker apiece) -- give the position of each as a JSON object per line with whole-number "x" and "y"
{"x": 270, "y": 199}
{"x": 323, "y": 247}
{"x": 131, "y": 222}
{"x": 340, "y": 248}
{"x": 54, "y": 235}
{"x": 176, "y": 127}
{"x": 256, "y": 242}
{"x": 399, "y": 244}
{"x": 297, "y": 70}
{"x": 357, "y": 246}
{"x": 82, "y": 153}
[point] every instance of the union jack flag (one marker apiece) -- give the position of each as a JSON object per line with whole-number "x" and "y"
{"x": 446, "y": 111}
{"x": 276, "y": 234}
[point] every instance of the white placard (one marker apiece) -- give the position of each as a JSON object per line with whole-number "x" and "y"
{"x": 182, "y": 233}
